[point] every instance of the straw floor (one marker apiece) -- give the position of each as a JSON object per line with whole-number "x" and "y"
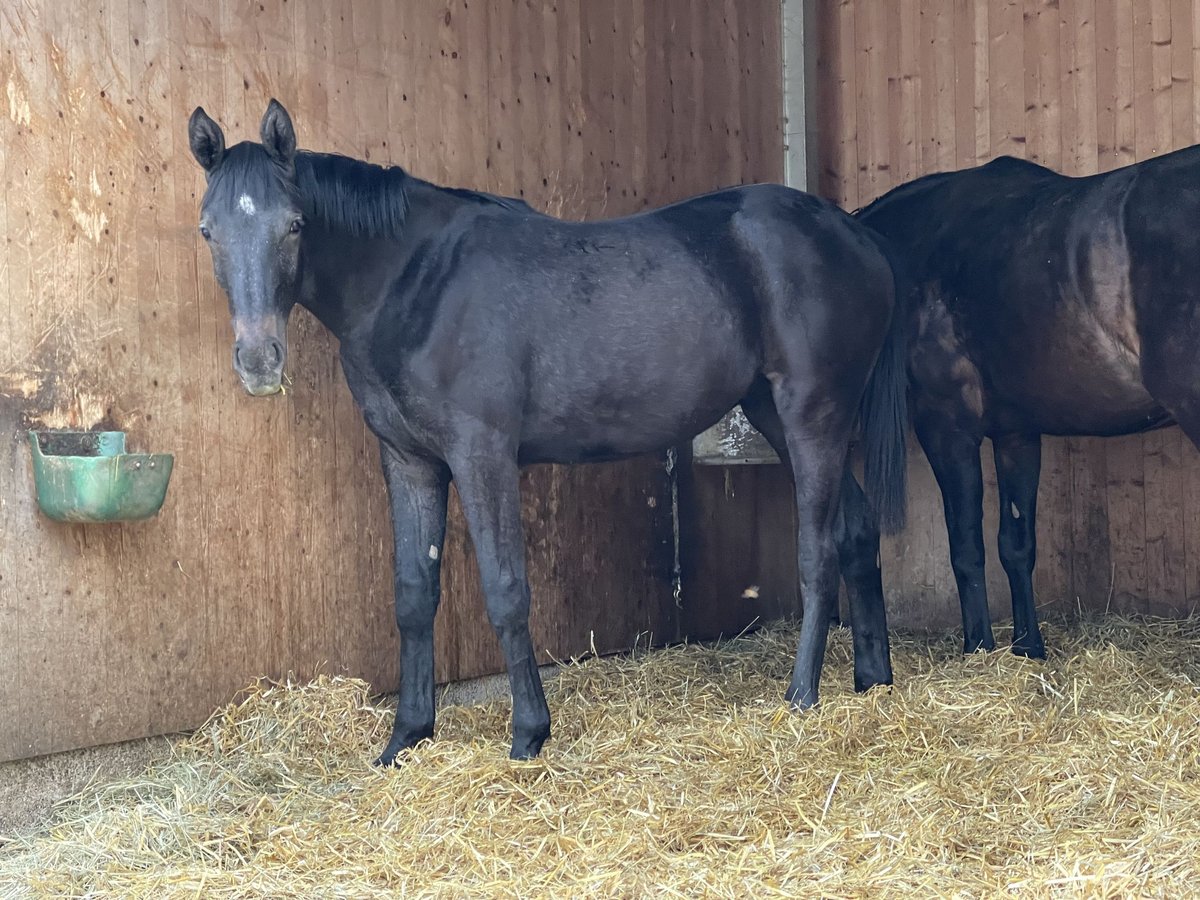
{"x": 680, "y": 773}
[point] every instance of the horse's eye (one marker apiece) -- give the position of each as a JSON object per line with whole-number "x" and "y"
{"x": 205, "y": 233}
{"x": 296, "y": 225}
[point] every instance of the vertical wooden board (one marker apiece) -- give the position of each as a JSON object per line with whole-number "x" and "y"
{"x": 1165, "y": 585}
{"x": 1168, "y": 492}
{"x": 911, "y": 92}
{"x": 194, "y": 478}
{"x": 1195, "y": 47}
{"x": 1161, "y": 68}
{"x": 571, "y": 194}
{"x": 548, "y": 182}
{"x": 965, "y": 65}
{"x": 753, "y": 111}
{"x": 12, "y": 459}
{"x": 19, "y": 596}
{"x": 720, "y": 72}
{"x": 68, "y": 254}
{"x": 1106, "y": 98}
{"x": 1041, "y": 84}
{"x": 1091, "y": 560}
{"x": 1166, "y": 588}
{"x": 1125, "y": 151}
{"x": 1127, "y": 524}
{"x": 722, "y": 553}
{"x": 1077, "y": 43}
{"x": 830, "y": 73}
{"x": 943, "y": 54}
{"x": 168, "y": 610}
{"x": 874, "y": 157}
{"x": 117, "y": 326}
{"x": 1006, "y": 95}
{"x": 1052, "y": 580}
{"x": 1182, "y": 79}
{"x": 1191, "y": 525}
{"x": 847, "y": 132}
{"x": 1145, "y": 126}
{"x": 982, "y": 57}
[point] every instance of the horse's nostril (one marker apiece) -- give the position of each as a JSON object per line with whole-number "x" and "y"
{"x": 276, "y": 349}
{"x": 237, "y": 357}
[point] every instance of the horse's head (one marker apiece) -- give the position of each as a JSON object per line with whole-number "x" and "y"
{"x": 252, "y": 223}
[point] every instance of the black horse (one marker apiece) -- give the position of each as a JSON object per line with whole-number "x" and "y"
{"x": 1048, "y": 305}
{"x": 478, "y": 335}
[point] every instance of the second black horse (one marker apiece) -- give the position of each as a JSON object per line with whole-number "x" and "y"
{"x": 1047, "y": 305}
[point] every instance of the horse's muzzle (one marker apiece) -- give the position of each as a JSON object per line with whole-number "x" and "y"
{"x": 259, "y": 365}
{"x": 262, "y": 388}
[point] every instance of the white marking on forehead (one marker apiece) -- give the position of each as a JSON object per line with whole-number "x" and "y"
{"x": 246, "y": 204}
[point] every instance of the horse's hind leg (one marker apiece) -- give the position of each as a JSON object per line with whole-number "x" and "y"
{"x": 954, "y": 456}
{"x": 816, "y": 429}
{"x": 417, "y": 492}
{"x": 858, "y": 553}
{"x": 857, "y": 539}
{"x": 487, "y": 478}
{"x": 1018, "y": 466}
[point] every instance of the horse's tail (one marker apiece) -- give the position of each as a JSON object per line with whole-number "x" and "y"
{"x": 884, "y": 411}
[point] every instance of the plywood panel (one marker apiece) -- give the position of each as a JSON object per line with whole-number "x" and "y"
{"x": 272, "y": 554}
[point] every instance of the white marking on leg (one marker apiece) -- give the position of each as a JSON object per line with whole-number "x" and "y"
{"x": 246, "y": 204}
{"x": 1016, "y": 512}
{"x": 433, "y": 551}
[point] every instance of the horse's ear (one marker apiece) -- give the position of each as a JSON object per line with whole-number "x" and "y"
{"x": 278, "y": 135}
{"x": 206, "y": 139}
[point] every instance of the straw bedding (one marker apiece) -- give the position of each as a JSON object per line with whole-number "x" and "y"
{"x": 680, "y": 773}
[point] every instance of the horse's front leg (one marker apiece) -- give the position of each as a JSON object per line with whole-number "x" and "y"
{"x": 1018, "y": 466}
{"x": 487, "y": 478}
{"x": 417, "y": 490}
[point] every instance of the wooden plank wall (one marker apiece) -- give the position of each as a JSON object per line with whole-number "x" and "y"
{"x": 272, "y": 553}
{"x": 918, "y": 86}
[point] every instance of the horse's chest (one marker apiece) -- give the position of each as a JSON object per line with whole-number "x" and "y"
{"x": 393, "y": 415}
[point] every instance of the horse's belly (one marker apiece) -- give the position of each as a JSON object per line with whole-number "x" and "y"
{"x": 1087, "y": 394}
{"x": 613, "y": 425}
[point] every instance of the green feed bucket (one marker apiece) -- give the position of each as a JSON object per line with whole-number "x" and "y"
{"x": 86, "y": 476}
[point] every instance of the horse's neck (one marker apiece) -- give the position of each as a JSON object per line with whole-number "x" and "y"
{"x": 345, "y": 275}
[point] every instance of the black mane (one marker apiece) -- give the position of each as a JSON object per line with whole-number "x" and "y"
{"x": 909, "y": 187}
{"x": 999, "y": 165}
{"x": 362, "y": 198}
{"x": 366, "y": 199}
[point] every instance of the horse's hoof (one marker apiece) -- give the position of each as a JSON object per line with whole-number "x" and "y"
{"x": 862, "y": 685}
{"x": 528, "y": 746}
{"x": 800, "y": 700}
{"x": 986, "y": 645}
{"x": 399, "y": 743}
{"x": 1030, "y": 651}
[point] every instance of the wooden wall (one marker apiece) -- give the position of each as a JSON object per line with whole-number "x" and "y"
{"x": 272, "y": 553}
{"x": 916, "y": 86}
